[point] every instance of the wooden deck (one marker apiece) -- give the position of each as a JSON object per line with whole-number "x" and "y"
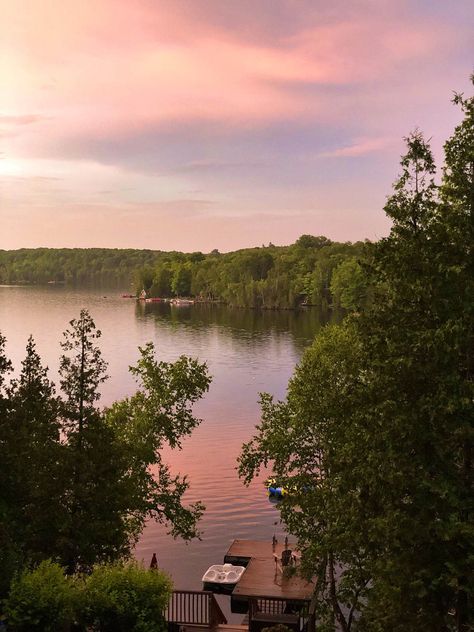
{"x": 262, "y": 577}
{"x": 218, "y": 628}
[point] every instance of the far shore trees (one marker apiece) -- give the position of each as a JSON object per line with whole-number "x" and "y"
{"x": 268, "y": 277}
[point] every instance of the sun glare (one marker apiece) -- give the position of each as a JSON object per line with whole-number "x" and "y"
{"x": 11, "y": 167}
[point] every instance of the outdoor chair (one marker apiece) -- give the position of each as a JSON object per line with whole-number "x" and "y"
{"x": 287, "y": 558}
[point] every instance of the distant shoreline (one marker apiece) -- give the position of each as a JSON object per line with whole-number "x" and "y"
{"x": 117, "y": 293}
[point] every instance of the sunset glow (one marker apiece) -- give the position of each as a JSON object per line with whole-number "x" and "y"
{"x": 200, "y": 124}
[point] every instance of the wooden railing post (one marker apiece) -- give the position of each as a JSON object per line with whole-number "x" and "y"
{"x": 212, "y": 615}
{"x": 196, "y": 607}
{"x": 216, "y": 615}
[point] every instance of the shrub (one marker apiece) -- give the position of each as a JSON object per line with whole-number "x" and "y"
{"x": 41, "y": 599}
{"x": 125, "y": 597}
{"x": 279, "y": 627}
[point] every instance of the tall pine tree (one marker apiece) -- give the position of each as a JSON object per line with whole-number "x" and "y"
{"x": 92, "y": 465}
{"x": 35, "y": 458}
{"x": 398, "y": 443}
{"x": 31, "y": 460}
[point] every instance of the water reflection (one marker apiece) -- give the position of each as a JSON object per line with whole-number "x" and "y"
{"x": 247, "y": 352}
{"x": 240, "y": 323}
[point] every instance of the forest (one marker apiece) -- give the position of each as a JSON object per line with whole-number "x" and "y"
{"x": 313, "y": 270}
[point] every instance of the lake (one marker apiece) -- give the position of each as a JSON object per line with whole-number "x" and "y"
{"x": 247, "y": 352}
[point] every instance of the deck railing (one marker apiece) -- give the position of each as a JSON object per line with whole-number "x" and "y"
{"x": 266, "y": 612}
{"x": 194, "y": 607}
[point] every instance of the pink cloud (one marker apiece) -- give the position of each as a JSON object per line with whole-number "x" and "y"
{"x": 362, "y": 147}
{"x": 23, "y": 119}
{"x": 202, "y": 92}
{"x": 111, "y": 65}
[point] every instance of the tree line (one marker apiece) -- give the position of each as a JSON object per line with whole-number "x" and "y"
{"x": 79, "y": 267}
{"x": 313, "y": 270}
{"x": 374, "y": 440}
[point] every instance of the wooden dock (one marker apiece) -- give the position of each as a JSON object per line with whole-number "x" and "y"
{"x": 267, "y": 594}
{"x": 263, "y": 577}
{"x": 219, "y": 628}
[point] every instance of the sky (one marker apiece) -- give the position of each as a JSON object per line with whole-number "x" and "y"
{"x": 201, "y": 124}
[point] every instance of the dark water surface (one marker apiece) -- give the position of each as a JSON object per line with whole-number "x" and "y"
{"x": 247, "y": 352}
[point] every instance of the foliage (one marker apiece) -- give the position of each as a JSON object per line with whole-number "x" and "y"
{"x": 160, "y": 412}
{"x": 305, "y": 438}
{"x": 83, "y": 372}
{"x": 125, "y": 598}
{"x": 418, "y": 337}
{"x": 375, "y": 436}
{"x": 349, "y": 285}
{"x": 41, "y": 600}
{"x": 277, "y": 628}
{"x": 162, "y": 281}
{"x": 8, "y": 550}
{"x": 29, "y": 442}
{"x": 269, "y": 277}
{"x": 91, "y": 459}
{"x": 98, "y": 473}
{"x": 310, "y": 241}
{"x": 33, "y": 437}
{"x": 181, "y": 281}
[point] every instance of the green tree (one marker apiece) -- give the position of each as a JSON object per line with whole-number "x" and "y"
{"x": 305, "y": 440}
{"x": 82, "y": 370}
{"x": 111, "y": 453}
{"x": 162, "y": 282}
{"x": 8, "y": 548}
{"x": 227, "y": 277}
{"x": 143, "y": 279}
{"x": 181, "y": 282}
{"x": 159, "y": 413}
{"x": 41, "y": 600}
{"x": 257, "y": 264}
{"x": 408, "y": 448}
{"x": 349, "y": 285}
{"x": 33, "y": 441}
{"x": 113, "y": 597}
{"x": 456, "y": 230}
{"x": 310, "y": 241}
{"x": 397, "y": 453}
{"x": 99, "y": 475}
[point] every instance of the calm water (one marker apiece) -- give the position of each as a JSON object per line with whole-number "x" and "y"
{"x": 247, "y": 352}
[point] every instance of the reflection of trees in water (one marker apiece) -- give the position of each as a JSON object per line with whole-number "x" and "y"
{"x": 240, "y": 324}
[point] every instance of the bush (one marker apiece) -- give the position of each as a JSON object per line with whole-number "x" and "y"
{"x": 279, "y": 627}
{"x": 125, "y": 598}
{"x": 41, "y": 599}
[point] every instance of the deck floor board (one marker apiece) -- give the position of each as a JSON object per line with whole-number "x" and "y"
{"x": 263, "y": 577}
